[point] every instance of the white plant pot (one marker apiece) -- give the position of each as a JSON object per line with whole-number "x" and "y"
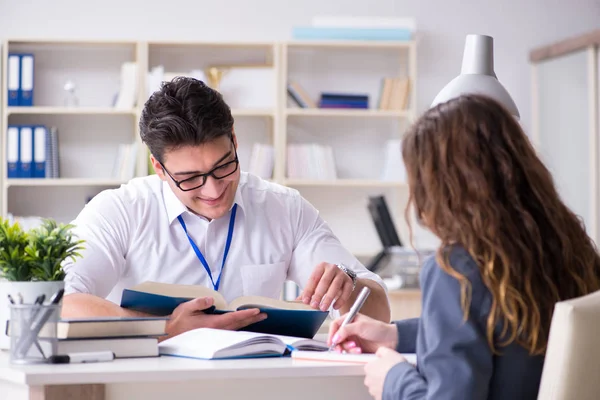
{"x": 29, "y": 291}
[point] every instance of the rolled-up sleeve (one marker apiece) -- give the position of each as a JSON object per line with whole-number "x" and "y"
{"x": 103, "y": 225}
{"x": 407, "y": 335}
{"x": 316, "y": 243}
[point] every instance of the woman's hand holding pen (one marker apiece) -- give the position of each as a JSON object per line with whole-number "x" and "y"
{"x": 363, "y": 335}
{"x": 367, "y": 335}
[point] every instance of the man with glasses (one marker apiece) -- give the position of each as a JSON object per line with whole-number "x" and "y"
{"x": 202, "y": 221}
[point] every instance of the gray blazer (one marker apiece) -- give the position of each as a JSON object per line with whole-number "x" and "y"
{"x": 454, "y": 360}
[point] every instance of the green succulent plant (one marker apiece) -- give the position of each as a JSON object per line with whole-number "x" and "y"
{"x": 39, "y": 254}
{"x": 14, "y": 262}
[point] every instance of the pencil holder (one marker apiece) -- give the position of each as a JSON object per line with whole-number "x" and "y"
{"x": 32, "y": 331}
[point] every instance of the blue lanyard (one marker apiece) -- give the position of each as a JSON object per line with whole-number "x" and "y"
{"x": 199, "y": 253}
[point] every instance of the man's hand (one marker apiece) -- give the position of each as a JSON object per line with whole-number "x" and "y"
{"x": 190, "y": 315}
{"x": 326, "y": 284}
{"x": 376, "y": 370}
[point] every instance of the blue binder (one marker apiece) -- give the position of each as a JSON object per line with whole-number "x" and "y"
{"x": 13, "y": 79}
{"x": 27, "y": 70}
{"x": 25, "y": 151}
{"x": 12, "y": 151}
{"x": 39, "y": 151}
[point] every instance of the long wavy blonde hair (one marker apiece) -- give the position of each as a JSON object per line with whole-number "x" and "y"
{"x": 475, "y": 180}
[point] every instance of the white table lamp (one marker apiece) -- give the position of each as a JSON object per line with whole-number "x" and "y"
{"x": 477, "y": 75}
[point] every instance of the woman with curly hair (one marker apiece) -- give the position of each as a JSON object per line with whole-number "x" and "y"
{"x": 510, "y": 249}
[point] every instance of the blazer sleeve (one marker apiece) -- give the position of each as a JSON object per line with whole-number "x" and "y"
{"x": 454, "y": 360}
{"x": 407, "y": 335}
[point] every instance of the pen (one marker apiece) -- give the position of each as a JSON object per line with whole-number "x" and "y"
{"x": 39, "y": 320}
{"x": 83, "y": 357}
{"x": 358, "y": 303}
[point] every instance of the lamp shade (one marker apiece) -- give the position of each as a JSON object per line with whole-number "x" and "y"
{"x": 477, "y": 75}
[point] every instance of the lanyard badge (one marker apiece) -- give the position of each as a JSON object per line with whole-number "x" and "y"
{"x": 199, "y": 253}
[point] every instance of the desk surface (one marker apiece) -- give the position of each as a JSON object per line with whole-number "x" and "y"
{"x": 156, "y": 369}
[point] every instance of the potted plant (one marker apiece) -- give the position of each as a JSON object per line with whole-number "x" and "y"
{"x": 31, "y": 263}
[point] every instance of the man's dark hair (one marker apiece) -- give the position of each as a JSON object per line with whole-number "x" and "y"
{"x": 184, "y": 112}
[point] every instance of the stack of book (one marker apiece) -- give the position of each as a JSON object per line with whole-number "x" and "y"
{"x": 262, "y": 160}
{"x": 311, "y": 161}
{"x": 125, "y": 337}
{"x": 341, "y": 100}
{"x": 394, "y": 94}
{"x": 125, "y": 162}
{"x": 356, "y": 28}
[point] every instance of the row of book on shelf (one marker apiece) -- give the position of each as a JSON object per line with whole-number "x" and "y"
{"x": 393, "y": 95}
{"x": 317, "y": 162}
{"x": 32, "y": 151}
{"x": 304, "y": 161}
{"x": 126, "y": 161}
{"x": 21, "y": 83}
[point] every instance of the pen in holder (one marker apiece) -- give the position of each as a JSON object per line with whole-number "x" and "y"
{"x": 33, "y": 335}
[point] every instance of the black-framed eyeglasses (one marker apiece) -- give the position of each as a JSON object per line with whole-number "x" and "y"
{"x": 197, "y": 181}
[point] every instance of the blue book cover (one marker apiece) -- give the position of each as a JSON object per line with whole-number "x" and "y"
{"x": 299, "y": 322}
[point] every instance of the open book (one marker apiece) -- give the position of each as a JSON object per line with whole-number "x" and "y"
{"x": 288, "y": 318}
{"x": 211, "y": 344}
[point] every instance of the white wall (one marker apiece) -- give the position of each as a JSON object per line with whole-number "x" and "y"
{"x": 516, "y": 25}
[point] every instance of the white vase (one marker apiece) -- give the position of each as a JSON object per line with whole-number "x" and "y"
{"x": 29, "y": 292}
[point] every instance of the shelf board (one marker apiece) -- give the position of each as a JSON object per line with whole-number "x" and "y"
{"x": 69, "y": 111}
{"x": 250, "y": 112}
{"x": 392, "y": 44}
{"x": 64, "y": 182}
{"x": 343, "y": 183}
{"x": 341, "y": 112}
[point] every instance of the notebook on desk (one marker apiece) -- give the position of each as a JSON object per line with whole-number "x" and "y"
{"x": 214, "y": 344}
{"x": 287, "y": 318}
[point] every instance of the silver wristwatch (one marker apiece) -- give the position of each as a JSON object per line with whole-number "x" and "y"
{"x": 350, "y": 273}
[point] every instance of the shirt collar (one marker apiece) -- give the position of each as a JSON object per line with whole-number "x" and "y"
{"x": 175, "y": 207}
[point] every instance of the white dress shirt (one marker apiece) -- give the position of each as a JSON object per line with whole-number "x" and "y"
{"x": 132, "y": 235}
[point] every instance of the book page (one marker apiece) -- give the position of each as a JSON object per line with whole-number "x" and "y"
{"x": 185, "y": 291}
{"x": 260, "y": 301}
{"x": 303, "y": 343}
{"x": 210, "y": 343}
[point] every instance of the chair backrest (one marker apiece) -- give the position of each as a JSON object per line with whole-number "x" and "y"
{"x": 572, "y": 363}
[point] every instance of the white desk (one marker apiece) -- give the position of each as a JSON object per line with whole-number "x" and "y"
{"x": 177, "y": 378}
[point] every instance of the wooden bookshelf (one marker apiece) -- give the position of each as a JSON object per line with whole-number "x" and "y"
{"x": 359, "y": 183}
{"x": 94, "y": 131}
{"x": 68, "y": 111}
{"x": 367, "y": 113}
{"x": 64, "y": 182}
